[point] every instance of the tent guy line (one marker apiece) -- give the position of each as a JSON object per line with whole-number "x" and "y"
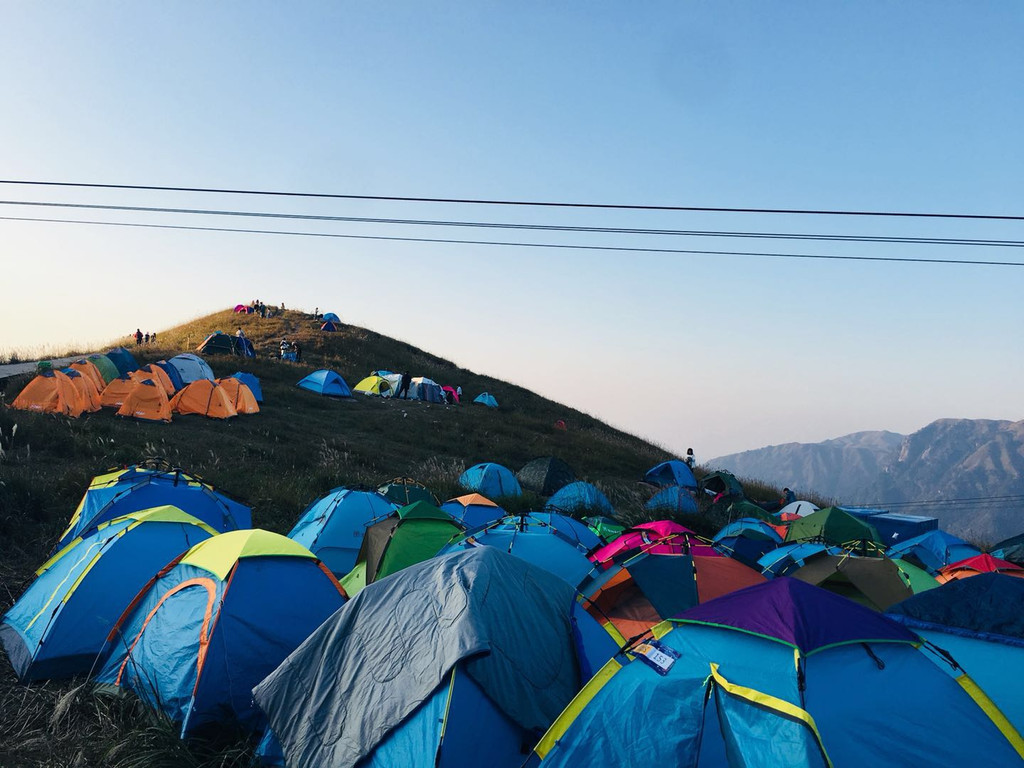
{"x": 532, "y": 227}
{"x": 562, "y": 246}
{"x": 524, "y": 203}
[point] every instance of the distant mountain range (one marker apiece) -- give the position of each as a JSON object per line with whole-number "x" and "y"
{"x": 971, "y": 471}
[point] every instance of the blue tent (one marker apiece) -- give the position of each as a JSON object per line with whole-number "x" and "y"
{"x": 790, "y": 557}
{"x": 673, "y": 472}
{"x": 59, "y": 625}
{"x": 487, "y": 399}
{"x": 932, "y": 550}
{"x": 534, "y": 539}
{"x": 330, "y": 317}
{"x": 675, "y": 498}
{"x": 120, "y": 492}
{"x": 252, "y": 382}
{"x": 778, "y": 674}
{"x": 473, "y": 510}
{"x": 747, "y": 540}
{"x": 329, "y": 327}
{"x": 172, "y": 374}
{"x": 579, "y": 497}
{"x": 332, "y": 527}
{"x": 457, "y": 661}
{"x": 980, "y": 622}
{"x": 325, "y": 382}
{"x": 214, "y": 623}
{"x": 191, "y": 368}
{"x": 123, "y": 360}
{"x": 492, "y": 480}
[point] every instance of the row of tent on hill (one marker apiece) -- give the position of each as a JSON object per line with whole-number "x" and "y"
{"x": 456, "y": 634}
{"x": 185, "y": 384}
{"x": 387, "y": 384}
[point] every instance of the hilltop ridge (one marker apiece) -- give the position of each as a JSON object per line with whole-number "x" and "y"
{"x": 301, "y": 445}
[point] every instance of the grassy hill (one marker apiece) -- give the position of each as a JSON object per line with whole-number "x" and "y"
{"x": 300, "y": 446}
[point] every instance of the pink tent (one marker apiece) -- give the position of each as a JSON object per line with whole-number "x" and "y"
{"x": 661, "y": 537}
{"x": 454, "y": 394}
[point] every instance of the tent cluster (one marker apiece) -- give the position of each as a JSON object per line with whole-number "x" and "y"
{"x": 385, "y": 383}
{"x": 154, "y": 392}
{"x": 388, "y": 629}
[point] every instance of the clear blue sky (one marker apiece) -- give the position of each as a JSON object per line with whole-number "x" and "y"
{"x": 913, "y": 106}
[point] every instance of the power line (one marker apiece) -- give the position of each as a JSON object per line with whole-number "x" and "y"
{"x": 974, "y": 501}
{"x": 521, "y": 203}
{"x": 561, "y": 246}
{"x": 532, "y": 227}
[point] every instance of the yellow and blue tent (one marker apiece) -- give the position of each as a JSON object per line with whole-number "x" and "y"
{"x": 58, "y": 626}
{"x": 779, "y": 674}
{"x": 215, "y": 622}
{"x": 134, "y": 488}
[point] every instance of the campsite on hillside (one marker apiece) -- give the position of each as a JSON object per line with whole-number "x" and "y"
{"x": 234, "y": 556}
{"x": 511, "y": 385}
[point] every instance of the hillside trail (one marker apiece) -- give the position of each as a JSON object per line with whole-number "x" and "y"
{"x": 14, "y": 369}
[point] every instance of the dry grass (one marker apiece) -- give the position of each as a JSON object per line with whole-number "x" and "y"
{"x": 299, "y": 447}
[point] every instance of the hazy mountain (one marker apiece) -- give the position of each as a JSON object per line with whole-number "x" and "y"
{"x": 843, "y": 468}
{"x": 971, "y": 471}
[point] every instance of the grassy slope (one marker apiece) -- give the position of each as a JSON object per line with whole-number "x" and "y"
{"x": 300, "y": 446}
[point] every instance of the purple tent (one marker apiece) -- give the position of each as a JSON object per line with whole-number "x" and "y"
{"x": 798, "y": 614}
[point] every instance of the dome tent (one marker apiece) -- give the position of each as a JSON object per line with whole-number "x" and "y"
{"x": 490, "y": 479}
{"x": 486, "y": 398}
{"x": 545, "y": 475}
{"x": 781, "y": 673}
{"x": 410, "y": 535}
{"x": 190, "y": 368}
{"x": 473, "y": 510}
{"x": 59, "y": 625}
{"x": 228, "y": 608}
{"x": 675, "y": 499}
{"x": 123, "y": 491}
{"x": 333, "y": 526}
{"x": 478, "y": 651}
{"x": 220, "y": 343}
{"x": 252, "y": 382}
{"x": 669, "y": 473}
{"x": 327, "y": 383}
{"x": 50, "y": 392}
{"x": 535, "y": 538}
{"x": 579, "y": 497}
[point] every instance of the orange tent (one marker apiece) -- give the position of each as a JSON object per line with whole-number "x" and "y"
{"x": 205, "y": 398}
{"x": 88, "y": 395}
{"x": 116, "y": 391}
{"x": 86, "y": 368}
{"x": 50, "y": 392}
{"x": 157, "y": 375}
{"x": 146, "y": 401}
{"x": 239, "y": 394}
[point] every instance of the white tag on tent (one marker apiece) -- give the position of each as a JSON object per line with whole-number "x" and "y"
{"x": 657, "y": 655}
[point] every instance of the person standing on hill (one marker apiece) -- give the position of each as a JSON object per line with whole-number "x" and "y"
{"x": 298, "y": 351}
{"x": 138, "y": 337}
{"x": 690, "y": 460}
{"x": 403, "y": 387}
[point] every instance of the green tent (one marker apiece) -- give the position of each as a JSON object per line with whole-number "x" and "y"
{"x": 832, "y": 525}
{"x": 606, "y": 528}
{"x": 415, "y": 533}
{"x": 918, "y": 579}
{"x": 743, "y": 508}
{"x": 724, "y": 483}
{"x": 106, "y": 367}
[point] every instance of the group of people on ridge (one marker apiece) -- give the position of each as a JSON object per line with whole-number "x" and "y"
{"x": 143, "y": 338}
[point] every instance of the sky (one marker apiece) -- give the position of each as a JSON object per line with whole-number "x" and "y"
{"x": 909, "y": 107}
